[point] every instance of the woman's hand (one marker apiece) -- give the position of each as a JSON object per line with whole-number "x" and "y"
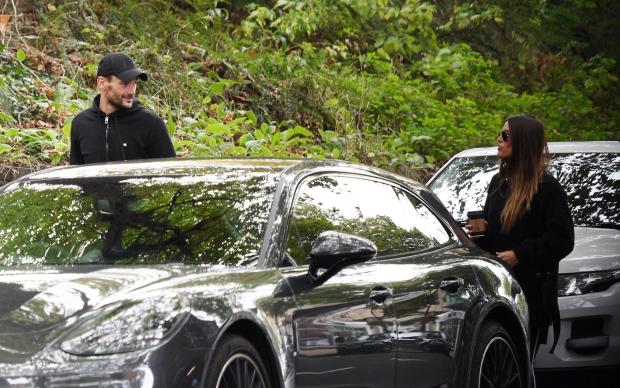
{"x": 476, "y": 227}
{"x": 508, "y": 257}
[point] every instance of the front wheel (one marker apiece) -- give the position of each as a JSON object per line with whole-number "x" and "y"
{"x": 236, "y": 364}
{"x": 495, "y": 360}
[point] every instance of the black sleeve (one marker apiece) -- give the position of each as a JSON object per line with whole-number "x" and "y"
{"x": 75, "y": 154}
{"x": 484, "y": 242}
{"x": 159, "y": 142}
{"x": 558, "y": 237}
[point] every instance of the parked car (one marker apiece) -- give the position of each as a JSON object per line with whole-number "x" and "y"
{"x": 589, "y": 280}
{"x": 246, "y": 273}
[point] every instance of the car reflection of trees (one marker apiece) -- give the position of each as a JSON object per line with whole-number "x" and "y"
{"x": 172, "y": 221}
{"x": 586, "y": 188}
{"x": 424, "y": 341}
{"x": 370, "y": 343}
{"x": 311, "y": 220}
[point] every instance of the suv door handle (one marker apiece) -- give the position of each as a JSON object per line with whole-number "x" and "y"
{"x": 379, "y": 294}
{"x": 451, "y": 284}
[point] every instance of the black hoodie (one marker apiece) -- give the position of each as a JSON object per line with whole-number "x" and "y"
{"x": 135, "y": 133}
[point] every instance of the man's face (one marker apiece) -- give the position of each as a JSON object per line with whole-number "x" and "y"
{"x": 117, "y": 92}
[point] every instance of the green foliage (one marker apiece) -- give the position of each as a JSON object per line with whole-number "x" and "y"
{"x": 400, "y": 84}
{"x": 21, "y": 144}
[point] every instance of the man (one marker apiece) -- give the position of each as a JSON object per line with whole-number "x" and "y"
{"x": 116, "y": 126}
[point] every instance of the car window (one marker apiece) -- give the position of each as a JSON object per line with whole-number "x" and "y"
{"x": 216, "y": 218}
{"x": 390, "y": 217}
{"x": 591, "y": 181}
{"x": 462, "y": 185}
{"x": 592, "y": 184}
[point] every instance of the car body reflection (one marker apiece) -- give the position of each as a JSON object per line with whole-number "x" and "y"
{"x": 166, "y": 273}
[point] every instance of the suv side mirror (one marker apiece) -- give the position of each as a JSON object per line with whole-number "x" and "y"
{"x": 333, "y": 251}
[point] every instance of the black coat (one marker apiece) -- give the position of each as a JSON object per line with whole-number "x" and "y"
{"x": 540, "y": 239}
{"x": 135, "y": 133}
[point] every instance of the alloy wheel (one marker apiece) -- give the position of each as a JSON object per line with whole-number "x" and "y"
{"x": 240, "y": 371}
{"x": 499, "y": 367}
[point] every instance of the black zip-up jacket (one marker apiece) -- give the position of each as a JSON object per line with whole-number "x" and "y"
{"x": 135, "y": 133}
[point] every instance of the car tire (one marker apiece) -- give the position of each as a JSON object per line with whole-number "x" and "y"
{"x": 496, "y": 361}
{"x": 236, "y": 364}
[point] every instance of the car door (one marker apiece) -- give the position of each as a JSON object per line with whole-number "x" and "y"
{"x": 345, "y": 327}
{"x": 420, "y": 260}
{"x": 434, "y": 288}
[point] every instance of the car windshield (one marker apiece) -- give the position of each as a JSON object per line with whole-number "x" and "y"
{"x": 591, "y": 181}
{"x": 214, "y": 218}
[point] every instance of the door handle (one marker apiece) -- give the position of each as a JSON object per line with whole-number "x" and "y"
{"x": 451, "y": 284}
{"x": 380, "y": 294}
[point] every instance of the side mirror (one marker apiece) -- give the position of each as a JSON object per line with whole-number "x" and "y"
{"x": 333, "y": 251}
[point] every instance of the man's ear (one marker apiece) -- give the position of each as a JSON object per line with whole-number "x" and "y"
{"x": 102, "y": 82}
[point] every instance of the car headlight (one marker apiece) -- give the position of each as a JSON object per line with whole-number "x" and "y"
{"x": 127, "y": 326}
{"x": 586, "y": 282}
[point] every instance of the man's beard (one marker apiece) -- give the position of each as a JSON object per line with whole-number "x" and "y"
{"x": 118, "y": 102}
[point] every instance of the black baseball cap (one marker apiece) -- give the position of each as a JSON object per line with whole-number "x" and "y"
{"x": 120, "y": 65}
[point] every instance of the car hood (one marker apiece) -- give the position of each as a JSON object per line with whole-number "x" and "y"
{"x": 40, "y": 297}
{"x": 596, "y": 249}
{"x": 39, "y": 305}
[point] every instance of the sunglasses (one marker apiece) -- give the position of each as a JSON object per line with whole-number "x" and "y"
{"x": 504, "y": 134}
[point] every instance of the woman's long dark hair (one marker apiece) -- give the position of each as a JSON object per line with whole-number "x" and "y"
{"x": 525, "y": 169}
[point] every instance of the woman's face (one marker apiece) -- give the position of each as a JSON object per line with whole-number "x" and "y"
{"x": 504, "y": 147}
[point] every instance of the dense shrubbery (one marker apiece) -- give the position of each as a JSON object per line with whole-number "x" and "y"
{"x": 401, "y": 84}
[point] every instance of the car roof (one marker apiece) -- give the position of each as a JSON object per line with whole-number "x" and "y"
{"x": 560, "y": 147}
{"x": 197, "y": 166}
{"x": 155, "y": 167}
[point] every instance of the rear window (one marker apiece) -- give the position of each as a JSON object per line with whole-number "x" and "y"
{"x": 216, "y": 218}
{"x": 591, "y": 181}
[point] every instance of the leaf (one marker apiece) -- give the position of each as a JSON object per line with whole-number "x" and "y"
{"x": 251, "y": 117}
{"x": 50, "y": 134}
{"x": 12, "y": 132}
{"x": 416, "y": 138}
{"x": 217, "y": 129}
{"x": 298, "y": 131}
{"x": 20, "y": 55}
{"x": 217, "y": 88}
{"x": 56, "y": 159}
{"x": 172, "y": 126}
{"x": 252, "y": 144}
{"x": 5, "y": 148}
{"x": 91, "y": 69}
{"x": 278, "y": 137}
{"x": 184, "y": 143}
{"x": 245, "y": 138}
{"x": 6, "y": 118}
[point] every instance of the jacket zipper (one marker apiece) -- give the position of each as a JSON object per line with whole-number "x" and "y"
{"x": 107, "y": 128}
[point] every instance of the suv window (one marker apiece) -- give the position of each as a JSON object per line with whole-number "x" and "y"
{"x": 591, "y": 181}
{"x": 390, "y": 217}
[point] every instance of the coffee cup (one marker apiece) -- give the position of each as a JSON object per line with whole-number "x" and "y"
{"x": 476, "y": 222}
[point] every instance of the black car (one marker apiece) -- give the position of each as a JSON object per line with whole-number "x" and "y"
{"x": 247, "y": 273}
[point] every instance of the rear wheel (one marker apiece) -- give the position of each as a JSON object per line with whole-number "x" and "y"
{"x": 236, "y": 364}
{"x": 495, "y": 361}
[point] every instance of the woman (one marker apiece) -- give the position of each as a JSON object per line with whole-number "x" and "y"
{"x": 529, "y": 225}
